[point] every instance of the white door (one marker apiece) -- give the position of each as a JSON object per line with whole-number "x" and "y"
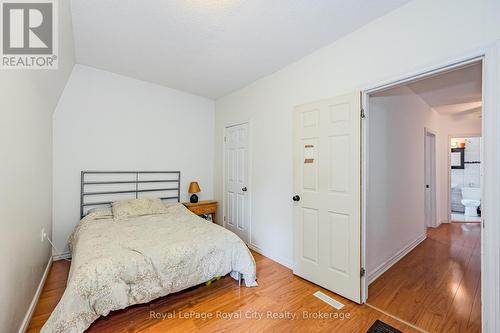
{"x": 430, "y": 180}
{"x": 236, "y": 200}
{"x": 327, "y": 198}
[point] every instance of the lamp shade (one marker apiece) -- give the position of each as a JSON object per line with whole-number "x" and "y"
{"x": 194, "y": 187}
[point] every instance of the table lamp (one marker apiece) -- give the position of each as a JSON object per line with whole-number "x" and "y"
{"x": 194, "y": 188}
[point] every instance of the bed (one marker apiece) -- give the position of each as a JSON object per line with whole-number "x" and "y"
{"x": 120, "y": 259}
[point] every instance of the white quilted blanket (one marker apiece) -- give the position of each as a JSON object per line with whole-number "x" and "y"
{"x": 119, "y": 263}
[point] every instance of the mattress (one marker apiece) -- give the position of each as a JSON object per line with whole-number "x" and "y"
{"x": 118, "y": 263}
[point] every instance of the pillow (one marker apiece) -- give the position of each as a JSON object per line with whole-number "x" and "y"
{"x": 100, "y": 213}
{"x": 124, "y": 209}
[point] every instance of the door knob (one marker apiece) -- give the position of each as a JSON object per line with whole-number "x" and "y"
{"x": 296, "y": 198}
{"x": 244, "y": 189}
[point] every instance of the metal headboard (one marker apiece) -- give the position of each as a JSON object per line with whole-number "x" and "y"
{"x": 116, "y": 185}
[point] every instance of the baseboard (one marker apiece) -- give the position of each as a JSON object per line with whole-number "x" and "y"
{"x": 62, "y": 255}
{"x": 440, "y": 222}
{"x": 34, "y": 301}
{"x": 394, "y": 259}
{"x": 267, "y": 254}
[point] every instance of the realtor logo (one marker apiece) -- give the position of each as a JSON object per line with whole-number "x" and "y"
{"x": 29, "y": 34}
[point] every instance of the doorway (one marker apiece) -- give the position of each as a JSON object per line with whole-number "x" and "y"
{"x": 430, "y": 178}
{"x": 465, "y": 178}
{"x": 420, "y": 268}
{"x": 236, "y": 201}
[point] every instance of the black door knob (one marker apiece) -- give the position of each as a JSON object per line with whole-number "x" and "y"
{"x": 296, "y": 198}
{"x": 244, "y": 189}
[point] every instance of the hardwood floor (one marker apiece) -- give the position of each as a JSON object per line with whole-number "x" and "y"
{"x": 279, "y": 293}
{"x": 437, "y": 286}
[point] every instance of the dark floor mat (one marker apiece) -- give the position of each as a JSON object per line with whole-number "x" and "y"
{"x": 381, "y": 327}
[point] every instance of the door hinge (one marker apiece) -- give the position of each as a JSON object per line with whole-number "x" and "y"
{"x": 225, "y": 139}
{"x": 363, "y": 115}
{"x": 362, "y": 272}
{"x": 224, "y": 219}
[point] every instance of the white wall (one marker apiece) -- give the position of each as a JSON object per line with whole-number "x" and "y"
{"x": 105, "y": 121}
{"x": 395, "y": 197}
{"x": 27, "y": 101}
{"x": 421, "y": 33}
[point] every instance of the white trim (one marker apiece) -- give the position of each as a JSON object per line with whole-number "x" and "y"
{"x": 432, "y": 70}
{"x": 381, "y": 269}
{"x": 34, "y": 301}
{"x": 62, "y": 255}
{"x": 430, "y": 131}
{"x": 285, "y": 262}
{"x": 364, "y": 193}
{"x": 490, "y": 235}
{"x": 249, "y": 179}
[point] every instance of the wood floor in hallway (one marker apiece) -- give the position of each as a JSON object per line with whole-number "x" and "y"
{"x": 437, "y": 286}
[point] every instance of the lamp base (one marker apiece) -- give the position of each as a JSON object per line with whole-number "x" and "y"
{"x": 193, "y": 198}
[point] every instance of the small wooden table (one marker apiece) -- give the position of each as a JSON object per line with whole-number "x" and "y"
{"x": 203, "y": 207}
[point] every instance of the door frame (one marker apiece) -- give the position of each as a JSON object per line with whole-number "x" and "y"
{"x": 429, "y": 132}
{"x": 451, "y": 136}
{"x": 249, "y": 176}
{"x": 490, "y": 241}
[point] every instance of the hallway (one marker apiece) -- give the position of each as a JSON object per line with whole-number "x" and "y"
{"x": 437, "y": 286}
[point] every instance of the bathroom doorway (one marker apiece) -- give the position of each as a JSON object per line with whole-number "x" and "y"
{"x": 465, "y": 178}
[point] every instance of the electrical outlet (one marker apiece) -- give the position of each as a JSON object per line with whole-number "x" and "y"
{"x": 42, "y": 235}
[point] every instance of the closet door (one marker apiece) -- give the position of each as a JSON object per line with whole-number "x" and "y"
{"x": 236, "y": 201}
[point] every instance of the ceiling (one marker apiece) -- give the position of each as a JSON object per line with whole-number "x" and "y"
{"x": 455, "y": 92}
{"x": 211, "y": 47}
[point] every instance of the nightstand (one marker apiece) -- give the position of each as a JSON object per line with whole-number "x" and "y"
{"x": 203, "y": 207}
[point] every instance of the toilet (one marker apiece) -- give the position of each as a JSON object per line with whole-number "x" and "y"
{"x": 471, "y": 199}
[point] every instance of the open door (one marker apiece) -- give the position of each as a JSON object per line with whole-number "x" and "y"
{"x": 327, "y": 228}
{"x": 430, "y": 179}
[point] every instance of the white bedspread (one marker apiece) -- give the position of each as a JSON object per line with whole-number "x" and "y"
{"x": 116, "y": 264}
